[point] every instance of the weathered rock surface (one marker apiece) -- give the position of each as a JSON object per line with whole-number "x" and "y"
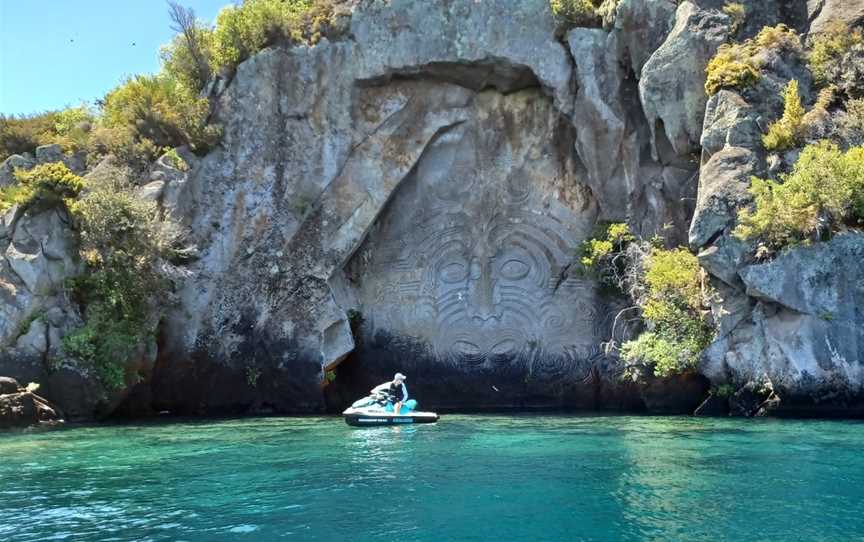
{"x": 806, "y": 332}
{"x": 672, "y": 85}
{"x": 824, "y": 12}
{"x": 413, "y": 197}
{"x": 435, "y": 171}
{"x": 21, "y": 408}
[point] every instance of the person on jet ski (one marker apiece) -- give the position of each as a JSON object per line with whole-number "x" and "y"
{"x": 395, "y": 390}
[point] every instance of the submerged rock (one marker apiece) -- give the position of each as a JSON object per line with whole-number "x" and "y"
{"x": 20, "y": 407}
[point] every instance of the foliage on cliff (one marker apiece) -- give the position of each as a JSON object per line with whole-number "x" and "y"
{"x": 123, "y": 243}
{"x": 45, "y": 184}
{"x": 666, "y": 287}
{"x": 739, "y": 65}
{"x": 585, "y": 12}
{"x": 833, "y": 56}
{"x": 823, "y": 193}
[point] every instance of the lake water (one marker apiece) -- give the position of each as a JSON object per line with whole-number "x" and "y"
{"x": 466, "y": 478}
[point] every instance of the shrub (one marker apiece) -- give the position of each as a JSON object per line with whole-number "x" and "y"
{"x": 665, "y": 286}
{"x": 824, "y": 190}
{"x": 72, "y": 128}
{"x": 611, "y": 238}
{"x": 850, "y": 125}
{"x": 189, "y": 55}
{"x": 677, "y": 332}
{"x": 46, "y": 184}
{"x": 157, "y": 112}
{"x": 243, "y": 30}
{"x": 732, "y": 67}
{"x": 737, "y": 13}
{"x": 828, "y": 48}
{"x": 26, "y": 132}
{"x": 787, "y": 132}
{"x": 585, "y": 12}
{"x": 738, "y": 65}
{"x": 123, "y": 243}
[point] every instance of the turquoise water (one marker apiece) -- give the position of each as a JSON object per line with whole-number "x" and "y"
{"x": 467, "y": 478}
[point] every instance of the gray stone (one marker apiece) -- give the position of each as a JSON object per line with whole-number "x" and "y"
{"x": 49, "y": 153}
{"x": 12, "y": 164}
{"x": 729, "y": 120}
{"x": 825, "y": 12}
{"x": 723, "y": 184}
{"x": 152, "y": 191}
{"x": 8, "y": 385}
{"x": 672, "y": 85}
{"x": 805, "y": 334}
{"x": 642, "y": 26}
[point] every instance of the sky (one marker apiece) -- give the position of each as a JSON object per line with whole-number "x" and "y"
{"x": 58, "y": 53}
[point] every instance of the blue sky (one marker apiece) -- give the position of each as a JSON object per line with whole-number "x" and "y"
{"x": 56, "y": 53}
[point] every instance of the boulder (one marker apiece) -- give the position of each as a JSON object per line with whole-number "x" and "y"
{"x": 8, "y": 385}
{"x": 825, "y": 12}
{"x": 26, "y": 409}
{"x": 677, "y": 69}
{"x": 641, "y": 27}
{"x": 49, "y": 153}
{"x": 723, "y": 190}
{"x": 11, "y": 164}
{"x": 805, "y": 333}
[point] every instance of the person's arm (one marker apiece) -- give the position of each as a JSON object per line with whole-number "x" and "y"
{"x": 404, "y": 393}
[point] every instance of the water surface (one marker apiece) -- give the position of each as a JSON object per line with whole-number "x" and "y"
{"x": 466, "y": 478}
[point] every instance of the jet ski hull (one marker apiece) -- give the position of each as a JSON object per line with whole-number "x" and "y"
{"x": 371, "y": 419}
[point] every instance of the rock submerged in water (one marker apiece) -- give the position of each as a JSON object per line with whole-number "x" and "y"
{"x": 20, "y": 407}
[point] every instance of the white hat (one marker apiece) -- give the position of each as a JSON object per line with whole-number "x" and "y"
{"x": 399, "y": 376}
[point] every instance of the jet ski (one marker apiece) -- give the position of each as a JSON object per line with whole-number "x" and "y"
{"x": 377, "y": 409}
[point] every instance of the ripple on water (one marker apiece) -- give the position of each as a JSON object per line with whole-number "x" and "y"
{"x": 466, "y": 478}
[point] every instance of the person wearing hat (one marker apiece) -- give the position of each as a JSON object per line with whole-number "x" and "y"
{"x": 396, "y": 390}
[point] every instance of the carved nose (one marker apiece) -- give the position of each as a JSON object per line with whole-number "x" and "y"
{"x": 481, "y": 302}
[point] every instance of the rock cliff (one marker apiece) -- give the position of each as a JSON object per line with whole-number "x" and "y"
{"x": 413, "y": 197}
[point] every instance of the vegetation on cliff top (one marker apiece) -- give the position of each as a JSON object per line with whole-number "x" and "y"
{"x": 123, "y": 243}
{"x": 45, "y": 184}
{"x": 823, "y": 193}
{"x": 666, "y": 287}
{"x": 739, "y": 65}
{"x": 148, "y": 114}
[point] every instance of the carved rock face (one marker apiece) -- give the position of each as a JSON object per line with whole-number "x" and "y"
{"x": 473, "y": 255}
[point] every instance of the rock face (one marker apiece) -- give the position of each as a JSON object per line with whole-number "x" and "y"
{"x": 21, "y": 408}
{"x": 433, "y": 176}
{"x": 413, "y": 197}
{"x": 806, "y": 332}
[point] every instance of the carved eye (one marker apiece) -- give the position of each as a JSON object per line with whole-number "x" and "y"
{"x": 454, "y": 272}
{"x": 504, "y": 347}
{"x": 514, "y": 270}
{"x": 467, "y": 348}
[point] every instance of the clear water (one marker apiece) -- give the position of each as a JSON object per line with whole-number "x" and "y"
{"x": 467, "y": 478}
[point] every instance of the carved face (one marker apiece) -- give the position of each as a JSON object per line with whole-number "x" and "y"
{"x": 472, "y": 257}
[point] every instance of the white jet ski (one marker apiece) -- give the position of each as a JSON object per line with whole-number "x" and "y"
{"x": 377, "y": 410}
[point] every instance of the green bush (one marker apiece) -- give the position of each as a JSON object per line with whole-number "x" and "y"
{"x": 147, "y": 114}
{"x": 26, "y": 132}
{"x": 677, "y": 332}
{"x": 189, "y": 56}
{"x": 243, "y": 30}
{"x": 788, "y": 131}
{"x": 850, "y": 126}
{"x": 827, "y": 50}
{"x": 46, "y": 184}
{"x": 824, "y": 190}
{"x": 738, "y": 65}
{"x": 737, "y": 13}
{"x": 585, "y": 12}
{"x": 611, "y": 238}
{"x": 122, "y": 242}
